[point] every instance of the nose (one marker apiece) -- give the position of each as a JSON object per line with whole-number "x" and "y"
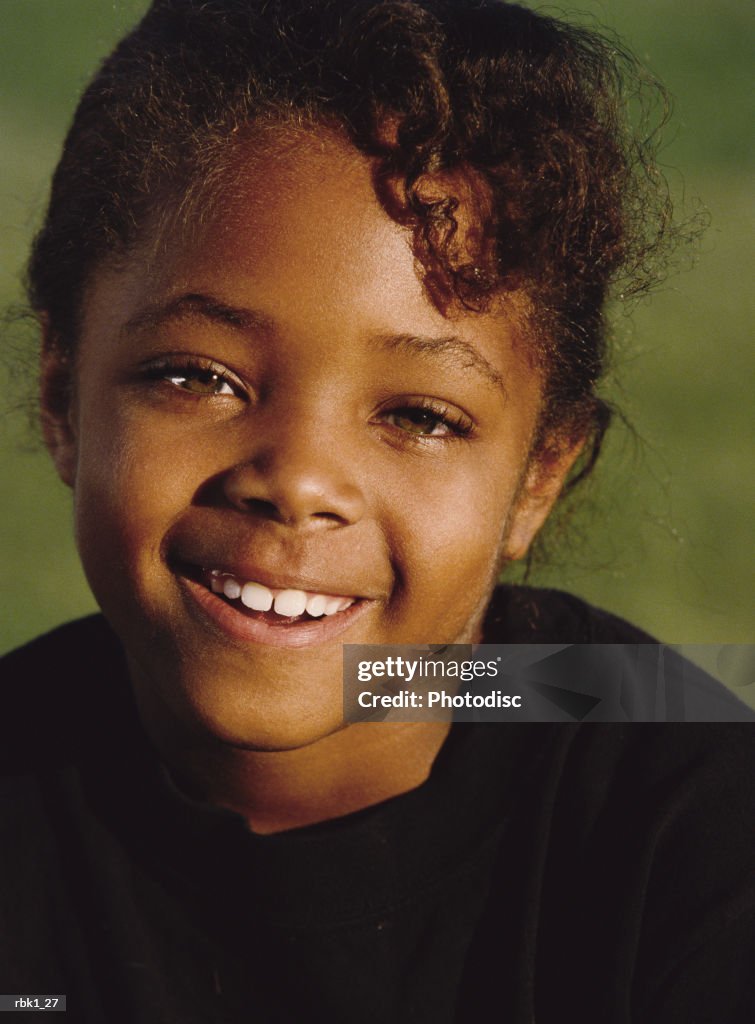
{"x": 299, "y": 481}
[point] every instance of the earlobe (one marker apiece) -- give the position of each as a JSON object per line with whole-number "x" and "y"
{"x": 56, "y": 405}
{"x": 543, "y": 483}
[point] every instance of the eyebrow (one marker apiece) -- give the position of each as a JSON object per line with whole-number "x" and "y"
{"x": 206, "y": 306}
{"x": 245, "y": 320}
{"x": 461, "y": 351}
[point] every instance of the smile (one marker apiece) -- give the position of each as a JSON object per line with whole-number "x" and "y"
{"x": 251, "y": 612}
{"x": 283, "y": 603}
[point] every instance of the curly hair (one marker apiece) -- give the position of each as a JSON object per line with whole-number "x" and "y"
{"x": 527, "y": 111}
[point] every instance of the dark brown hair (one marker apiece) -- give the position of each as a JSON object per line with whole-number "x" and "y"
{"x": 528, "y": 111}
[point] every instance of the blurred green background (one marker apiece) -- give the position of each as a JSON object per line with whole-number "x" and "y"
{"x": 664, "y": 532}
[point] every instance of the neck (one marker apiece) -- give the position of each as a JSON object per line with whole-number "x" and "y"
{"x": 361, "y": 765}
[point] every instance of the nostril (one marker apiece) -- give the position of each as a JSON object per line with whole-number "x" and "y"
{"x": 293, "y": 489}
{"x": 263, "y": 508}
{"x": 269, "y": 510}
{"x": 329, "y": 516}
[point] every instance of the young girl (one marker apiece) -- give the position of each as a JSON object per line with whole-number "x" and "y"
{"x": 321, "y": 289}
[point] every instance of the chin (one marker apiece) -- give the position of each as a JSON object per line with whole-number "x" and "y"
{"x": 285, "y": 727}
{"x": 248, "y": 707}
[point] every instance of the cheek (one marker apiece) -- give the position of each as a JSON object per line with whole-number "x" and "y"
{"x": 453, "y": 527}
{"x": 131, "y": 482}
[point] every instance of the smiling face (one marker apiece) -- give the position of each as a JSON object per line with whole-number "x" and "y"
{"x": 275, "y": 412}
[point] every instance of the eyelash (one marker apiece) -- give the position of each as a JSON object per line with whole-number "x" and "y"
{"x": 434, "y": 412}
{"x": 170, "y": 371}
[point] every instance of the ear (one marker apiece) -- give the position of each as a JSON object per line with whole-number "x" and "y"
{"x": 544, "y": 480}
{"x": 56, "y": 402}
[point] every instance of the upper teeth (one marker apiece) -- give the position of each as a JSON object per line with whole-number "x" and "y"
{"x": 284, "y": 602}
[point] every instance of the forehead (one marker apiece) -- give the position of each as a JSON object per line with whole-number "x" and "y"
{"x": 299, "y": 235}
{"x": 304, "y": 216}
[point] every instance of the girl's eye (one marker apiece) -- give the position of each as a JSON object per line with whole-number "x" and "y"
{"x": 201, "y": 382}
{"x": 204, "y": 380}
{"x": 427, "y": 421}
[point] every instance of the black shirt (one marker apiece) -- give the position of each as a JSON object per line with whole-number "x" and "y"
{"x": 601, "y": 873}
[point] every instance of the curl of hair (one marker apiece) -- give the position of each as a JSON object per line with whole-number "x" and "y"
{"x": 528, "y": 111}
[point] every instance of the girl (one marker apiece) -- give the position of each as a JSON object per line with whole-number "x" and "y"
{"x": 321, "y": 289}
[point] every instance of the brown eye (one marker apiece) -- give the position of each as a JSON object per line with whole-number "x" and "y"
{"x": 419, "y": 421}
{"x": 201, "y": 382}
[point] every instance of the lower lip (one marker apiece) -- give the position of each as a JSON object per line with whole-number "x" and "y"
{"x": 238, "y": 626}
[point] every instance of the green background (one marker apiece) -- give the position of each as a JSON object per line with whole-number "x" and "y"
{"x": 663, "y": 533}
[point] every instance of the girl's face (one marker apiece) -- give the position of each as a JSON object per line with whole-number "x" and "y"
{"x": 277, "y": 403}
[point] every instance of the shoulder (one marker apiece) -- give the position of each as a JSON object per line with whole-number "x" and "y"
{"x": 649, "y": 874}
{"x": 665, "y": 798}
{"x": 73, "y": 640}
{"x": 53, "y": 688}
{"x": 59, "y": 662}
{"x": 518, "y": 614}
{"x": 622, "y": 673}
{"x": 653, "y": 827}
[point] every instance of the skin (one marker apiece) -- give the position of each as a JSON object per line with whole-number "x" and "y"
{"x": 304, "y": 462}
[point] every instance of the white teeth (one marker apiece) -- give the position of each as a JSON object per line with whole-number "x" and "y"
{"x": 316, "y": 605}
{"x": 287, "y": 603}
{"x": 290, "y": 602}
{"x": 332, "y": 605}
{"x": 257, "y": 597}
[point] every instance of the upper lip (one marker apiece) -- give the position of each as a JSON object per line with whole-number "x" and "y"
{"x": 278, "y": 580}
{"x": 277, "y": 562}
